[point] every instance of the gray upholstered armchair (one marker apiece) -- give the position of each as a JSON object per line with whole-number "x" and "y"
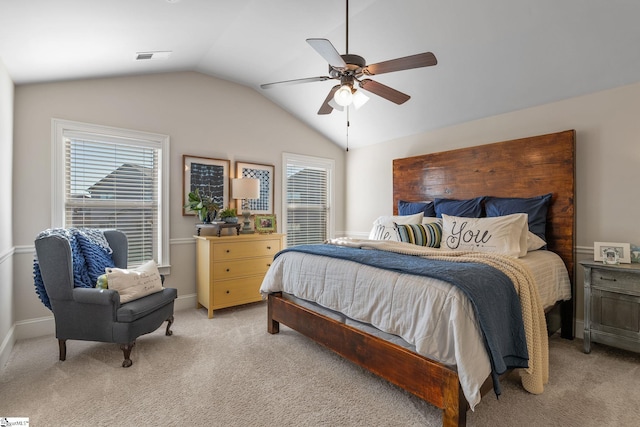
{"x": 92, "y": 314}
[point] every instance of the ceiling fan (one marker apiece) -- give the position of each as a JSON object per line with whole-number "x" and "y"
{"x": 350, "y": 69}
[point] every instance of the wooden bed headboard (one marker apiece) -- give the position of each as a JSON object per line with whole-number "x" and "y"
{"x": 524, "y": 167}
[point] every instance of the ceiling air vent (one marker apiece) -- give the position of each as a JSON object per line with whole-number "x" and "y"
{"x": 157, "y": 55}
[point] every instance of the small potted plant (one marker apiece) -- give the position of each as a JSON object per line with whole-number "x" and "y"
{"x": 202, "y": 205}
{"x": 230, "y": 216}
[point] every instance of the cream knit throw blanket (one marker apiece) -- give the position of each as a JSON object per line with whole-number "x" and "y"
{"x": 537, "y": 374}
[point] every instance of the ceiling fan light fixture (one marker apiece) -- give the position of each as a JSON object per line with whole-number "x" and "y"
{"x": 359, "y": 99}
{"x": 333, "y": 104}
{"x": 343, "y": 96}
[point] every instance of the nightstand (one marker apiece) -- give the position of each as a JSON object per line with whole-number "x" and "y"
{"x": 611, "y": 305}
{"x": 230, "y": 269}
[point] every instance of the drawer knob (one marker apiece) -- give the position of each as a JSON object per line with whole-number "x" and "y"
{"x": 228, "y": 292}
{"x": 268, "y": 247}
{"x": 610, "y": 279}
{"x": 228, "y": 270}
{"x": 228, "y": 250}
{"x": 268, "y": 265}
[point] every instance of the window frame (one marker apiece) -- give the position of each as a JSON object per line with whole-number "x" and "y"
{"x": 61, "y": 128}
{"x": 310, "y": 162}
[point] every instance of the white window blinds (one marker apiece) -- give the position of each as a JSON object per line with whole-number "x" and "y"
{"x": 114, "y": 182}
{"x": 307, "y": 200}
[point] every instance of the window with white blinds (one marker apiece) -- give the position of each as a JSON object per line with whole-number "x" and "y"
{"x": 308, "y": 199}
{"x": 113, "y": 178}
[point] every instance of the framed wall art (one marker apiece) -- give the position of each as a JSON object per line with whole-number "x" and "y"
{"x": 612, "y": 253}
{"x": 263, "y": 205}
{"x": 209, "y": 176}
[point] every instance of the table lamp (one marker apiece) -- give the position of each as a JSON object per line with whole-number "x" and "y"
{"x": 245, "y": 189}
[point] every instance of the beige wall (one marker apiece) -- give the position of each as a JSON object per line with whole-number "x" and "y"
{"x": 203, "y": 115}
{"x": 607, "y": 160}
{"x": 7, "y": 337}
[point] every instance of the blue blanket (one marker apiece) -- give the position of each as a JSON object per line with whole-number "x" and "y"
{"x": 90, "y": 254}
{"x": 490, "y": 291}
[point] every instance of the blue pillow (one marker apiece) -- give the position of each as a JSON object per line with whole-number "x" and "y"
{"x": 535, "y": 207}
{"x": 412, "y": 208}
{"x": 470, "y": 208}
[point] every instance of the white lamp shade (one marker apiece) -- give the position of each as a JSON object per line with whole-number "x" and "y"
{"x": 245, "y": 188}
{"x": 333, "y": 104}
{"x": 343, "y": 96}
{"x": 359, "y": 99}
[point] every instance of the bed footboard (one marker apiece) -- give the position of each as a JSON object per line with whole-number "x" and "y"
{"x": 423, "y": 377}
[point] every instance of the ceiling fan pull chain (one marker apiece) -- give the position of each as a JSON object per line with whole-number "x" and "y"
{"x": 348, "y": 124}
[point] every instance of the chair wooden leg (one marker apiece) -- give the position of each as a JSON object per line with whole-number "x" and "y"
{"x": 126, "y": 350}
{"x": 169, "y": 323}
{"x": 62, "y": 345}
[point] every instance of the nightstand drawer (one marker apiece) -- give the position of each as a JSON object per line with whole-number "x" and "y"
{"x": 242, "y": 267}
{"x": 616, "y": 313}
{"x": 242, "y": 250}
{"x": 228, "y": 293}
{"x": 625, "y": 281}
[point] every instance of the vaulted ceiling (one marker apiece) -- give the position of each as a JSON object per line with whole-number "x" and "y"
{"x": 494, "y": 56}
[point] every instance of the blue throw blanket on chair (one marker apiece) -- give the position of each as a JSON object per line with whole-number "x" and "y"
{"x": 90, "y": 254}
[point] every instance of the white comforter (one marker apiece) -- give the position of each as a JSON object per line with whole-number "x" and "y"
{"x": 430, "y": 314}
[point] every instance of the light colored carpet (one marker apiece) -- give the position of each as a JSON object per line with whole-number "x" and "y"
{"x": 228, "y": 371}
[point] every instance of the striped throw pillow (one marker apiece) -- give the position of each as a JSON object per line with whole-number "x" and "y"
{"x": 428, "y": 235}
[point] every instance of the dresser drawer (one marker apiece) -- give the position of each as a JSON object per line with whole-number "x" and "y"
{"x": 232, "y": 292}
{"x": 616, "y": 280}
{"x": 242, "y": 250}
{"x": 242, "y": 267}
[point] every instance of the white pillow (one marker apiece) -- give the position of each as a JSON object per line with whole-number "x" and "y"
{"x": 506, "y": 235}
{"x": 134, "y": 283}
{"x": 384, "y": 227}
{"x": 400, "y": 219}
{"x": 534, "y": 242}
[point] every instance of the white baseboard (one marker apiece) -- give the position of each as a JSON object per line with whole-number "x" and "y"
{"x": 34, "y": 328}
{"x": 7, "y": 347}
{"x": 185, "y": 302}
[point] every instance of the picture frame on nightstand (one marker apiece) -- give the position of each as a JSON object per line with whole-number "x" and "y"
{"x": 612, "y": 252}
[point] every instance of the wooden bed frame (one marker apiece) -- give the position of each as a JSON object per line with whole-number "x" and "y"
{"x": 520, "y": 168}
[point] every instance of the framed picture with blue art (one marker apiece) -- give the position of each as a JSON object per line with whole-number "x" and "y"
{"x": 264, "y": 204}
{"x": 209, "y": 176}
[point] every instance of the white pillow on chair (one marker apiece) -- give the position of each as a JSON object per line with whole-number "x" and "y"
{"x": 134, "y": 283}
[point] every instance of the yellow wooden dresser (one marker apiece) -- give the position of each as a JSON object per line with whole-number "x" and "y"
{"x": 230, "y": 269}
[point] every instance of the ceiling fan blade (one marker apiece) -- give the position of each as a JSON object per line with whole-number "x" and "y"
{"x": 326, "y": 108}
{"x": 384, "y": 91}
{"x": 426, "y": 59}
{"x": 295, "y": 81}
{"x": 328, "y": 52}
